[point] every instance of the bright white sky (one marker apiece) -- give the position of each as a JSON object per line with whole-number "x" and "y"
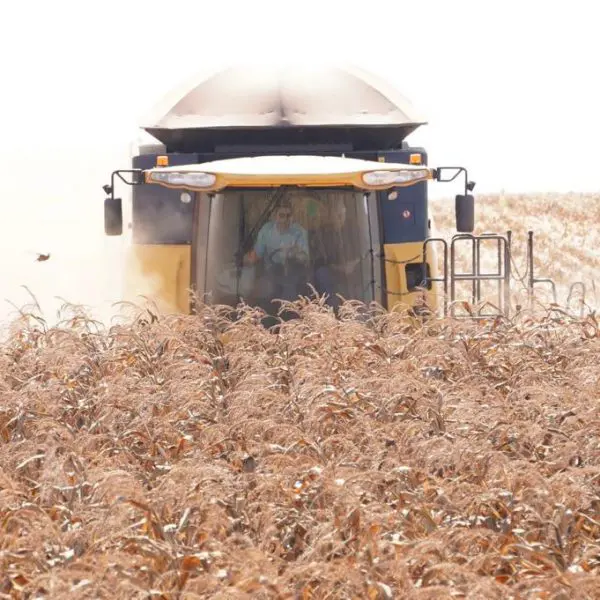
{"x": 509, "y": 88}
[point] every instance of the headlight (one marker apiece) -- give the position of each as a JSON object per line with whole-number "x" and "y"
{"x": 202, "y": 180}
{"x": 391, "y": 177}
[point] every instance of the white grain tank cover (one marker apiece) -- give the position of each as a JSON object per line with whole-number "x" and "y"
{"x": 267, "y": 96}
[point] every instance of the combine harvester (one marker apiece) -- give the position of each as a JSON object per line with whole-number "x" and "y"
{"x": 262, "y": 184}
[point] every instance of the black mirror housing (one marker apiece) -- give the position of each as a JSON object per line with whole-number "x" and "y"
{"x": 113, "y": 216}
{"x": 465, "y": 213}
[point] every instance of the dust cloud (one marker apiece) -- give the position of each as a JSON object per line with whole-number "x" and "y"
{"x": 54, "y": 206}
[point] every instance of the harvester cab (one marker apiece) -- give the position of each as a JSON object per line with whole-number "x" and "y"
{"x": 272, "y": 228}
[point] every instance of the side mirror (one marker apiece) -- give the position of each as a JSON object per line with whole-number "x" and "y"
{"x": 113, "y": 216}
{"x": 465, "y": 213}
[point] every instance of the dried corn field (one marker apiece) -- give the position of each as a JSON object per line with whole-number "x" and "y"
{"x": 199, "y": 457}
{"x": 196, "y": 457}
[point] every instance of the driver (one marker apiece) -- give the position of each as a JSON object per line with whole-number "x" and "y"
{"x": 281, "y": 245}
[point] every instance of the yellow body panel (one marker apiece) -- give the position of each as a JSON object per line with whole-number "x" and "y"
{"x": 161, "y": 273}
{"x": 396, "y": 256}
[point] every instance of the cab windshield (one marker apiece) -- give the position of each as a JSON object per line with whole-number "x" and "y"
{"x": 276, "y": 244}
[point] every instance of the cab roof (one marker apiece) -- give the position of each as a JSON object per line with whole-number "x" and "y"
{"x": 270, "y": 171}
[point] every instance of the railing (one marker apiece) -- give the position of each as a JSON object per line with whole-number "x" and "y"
{"x": 476, "y": 275}
{"x": 502, "y": 274}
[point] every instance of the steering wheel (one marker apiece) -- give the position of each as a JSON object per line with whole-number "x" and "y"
{"x": 292, "y": 256}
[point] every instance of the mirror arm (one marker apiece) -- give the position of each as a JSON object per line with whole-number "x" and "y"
{"x": 469, "y": 185}
{"x": 136, "y": 179}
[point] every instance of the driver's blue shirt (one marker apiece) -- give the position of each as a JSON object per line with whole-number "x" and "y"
{"x": 270, "y": 239}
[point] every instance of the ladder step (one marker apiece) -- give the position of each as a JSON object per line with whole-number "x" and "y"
{"x": 482, "y": 277}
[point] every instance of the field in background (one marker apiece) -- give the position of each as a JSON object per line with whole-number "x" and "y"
{"x": 566, "y": 240}
{"x": 190, "y": 457}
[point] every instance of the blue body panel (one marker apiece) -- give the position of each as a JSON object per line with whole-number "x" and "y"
{"x": 405, "y": 219}
{"x": 159, "y": 216}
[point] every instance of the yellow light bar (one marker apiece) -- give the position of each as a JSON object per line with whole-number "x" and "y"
{"x": 162, "y": 161}
{"x": 415, "y": 159}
